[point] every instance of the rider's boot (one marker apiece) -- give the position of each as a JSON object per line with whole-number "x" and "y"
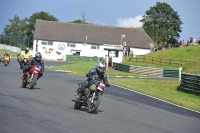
{"x": 79, "y": 93}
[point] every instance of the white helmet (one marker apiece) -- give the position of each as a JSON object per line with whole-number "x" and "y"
{"x": 101, "y": 67}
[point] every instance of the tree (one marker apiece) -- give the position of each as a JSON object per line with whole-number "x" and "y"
{"x": 162, "y": 23}
{"x": 78, "y": 21}
{"x": 32, "y": 21}
{"x": 15, "y": 31}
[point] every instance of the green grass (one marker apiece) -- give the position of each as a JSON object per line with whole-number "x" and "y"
{"x": 80, "y": 68}
{"x": 12, "y": 54}
{"x": 165, "y": 90}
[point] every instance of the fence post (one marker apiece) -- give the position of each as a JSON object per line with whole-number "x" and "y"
{"x": 180, "y": 69}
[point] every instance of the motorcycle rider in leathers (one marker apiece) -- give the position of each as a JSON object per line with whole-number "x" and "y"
{"x": 37, "y": 60}
{"x": 24, "y": 54}
{"x": 6, "y": 54}
{"x": 98, "y": 73}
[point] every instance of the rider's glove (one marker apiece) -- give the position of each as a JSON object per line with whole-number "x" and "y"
{"x": 107, "y": 85}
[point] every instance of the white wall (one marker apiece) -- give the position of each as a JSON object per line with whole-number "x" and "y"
{"x": 137, "y": 51}
{"x": 85, "y": 50}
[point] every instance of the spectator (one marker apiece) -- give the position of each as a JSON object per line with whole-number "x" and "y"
{"x": 128, "y": 51}
{"x": 151, "y": 45}
{"x": 183, "y": 43}
{"x": 131, "y": 53}
{"x": 180, "y": 42}
{"x": 159, "y": 47}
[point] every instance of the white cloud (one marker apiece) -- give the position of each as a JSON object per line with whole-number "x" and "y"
{"x": 129, "y": 22}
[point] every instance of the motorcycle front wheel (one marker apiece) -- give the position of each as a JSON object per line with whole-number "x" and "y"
{"x": 33, "y": 81}
{"x": 92, "y": 107}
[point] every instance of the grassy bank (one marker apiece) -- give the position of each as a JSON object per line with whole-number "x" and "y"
{"x": 189, "y": 53}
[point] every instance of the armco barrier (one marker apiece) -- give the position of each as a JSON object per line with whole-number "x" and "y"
{"x": 190, "y": 82}
{"x": 121, "y": 67}
{"x": 170, "y": 73}
{"x": 157, "y": 72}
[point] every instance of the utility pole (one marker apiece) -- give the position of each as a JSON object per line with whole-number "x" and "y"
{"x": 83, "y": 16}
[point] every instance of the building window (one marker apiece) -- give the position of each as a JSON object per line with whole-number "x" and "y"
{"x": 44, "y": 43}
{"x": 71, "y": 45}
{"x": 94, "y": 46}
{"x": 47, "y": 42}
{"x": 50, "y": 42}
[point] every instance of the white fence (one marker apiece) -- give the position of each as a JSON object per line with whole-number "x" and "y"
{"x": 10, "y": 48}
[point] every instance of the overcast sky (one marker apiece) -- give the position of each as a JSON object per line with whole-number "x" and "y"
{"x": 123, "y": 13}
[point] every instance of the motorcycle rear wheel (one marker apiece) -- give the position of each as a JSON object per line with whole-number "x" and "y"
{"x": 77, "y": 105}
{"x": 24, "y": 84}
{"x": 92, "y": 107}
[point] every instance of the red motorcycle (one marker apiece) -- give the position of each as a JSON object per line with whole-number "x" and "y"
{"x": 30, "y": 78}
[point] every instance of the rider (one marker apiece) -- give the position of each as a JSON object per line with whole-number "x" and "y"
{"x": 6, "y": 54}
{"x": 25, "y": 54}
{"x": 37, "y": 60}
{"x": 98, "y": 73}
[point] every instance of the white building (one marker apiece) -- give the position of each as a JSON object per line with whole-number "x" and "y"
{"x": 55, "y": 40}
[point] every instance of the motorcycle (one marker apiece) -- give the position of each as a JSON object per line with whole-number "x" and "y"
{"x": 25, "y": 62}
{"x": 0, "y": 58}
{"x": 6, "y": 60}
{"x": 18, "y": 58}
{"x": 91, "y": 98}
{"x": 30, "y": 78}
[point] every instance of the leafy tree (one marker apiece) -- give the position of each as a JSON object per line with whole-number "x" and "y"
{"x": 32, "y": 21}
{"x": 15, "y": 31}
{"x": 162, "y": 23}
{"x": 79, "y": 21}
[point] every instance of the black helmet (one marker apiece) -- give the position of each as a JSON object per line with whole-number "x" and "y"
{"x": 38, "y": 55}
{"x": 26, "y": 50}
{"x": 101, "y": 67}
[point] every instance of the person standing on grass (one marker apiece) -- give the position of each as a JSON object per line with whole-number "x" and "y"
{"x": 151, "y": 45}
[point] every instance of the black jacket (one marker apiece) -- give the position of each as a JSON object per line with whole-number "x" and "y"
{"x": 98, "y": 76}
{"x": 33, "y": 62}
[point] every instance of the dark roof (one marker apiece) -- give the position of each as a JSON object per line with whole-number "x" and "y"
{"x": 96, "y": 34}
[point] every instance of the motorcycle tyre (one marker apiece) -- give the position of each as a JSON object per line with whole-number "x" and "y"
{"x": 33, "y": 83}
{"x": 24, "y": 84}
{"x": 97, "y": 103}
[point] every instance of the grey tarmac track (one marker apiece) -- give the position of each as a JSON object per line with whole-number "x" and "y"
{"x": 48, "y": 108}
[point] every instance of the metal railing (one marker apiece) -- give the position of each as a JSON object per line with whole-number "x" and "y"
{"x": 190, "y": 82}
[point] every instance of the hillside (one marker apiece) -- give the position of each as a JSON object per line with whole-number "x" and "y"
{"x": 190, "y": 53}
